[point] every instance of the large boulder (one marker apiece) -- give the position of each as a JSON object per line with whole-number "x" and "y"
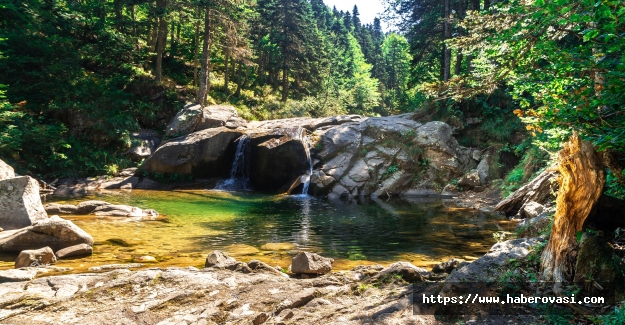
{"x": 215, "y": 116}
{"x": 35, "y": 257}
{"x": 470, "y": 180}
{"x": 311, "y": 263}
{"x": 144, "y": 143}
{"x": 387, "y": 156}
{"x": 54, "y": 232}
{"x": 6, "y": 171}
{"x": 207, "y": 153}
{"x": 276, "y": 163}
{"x": 486, "y": 268}
{"x": 20, "y": 203}
{"x": 185, "y": 121}
{"x": 533, "y": 227}
{"x": 597, "y": 261}
{"x": 310, "y": 124}
{"x": 441, "y": 149}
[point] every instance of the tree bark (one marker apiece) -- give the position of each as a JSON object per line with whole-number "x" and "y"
{"x": 446, "y": 36}
{"x": 237, "y": 93}
{"x": 196, "y": 47}
{"x": 473, "y": 5}
{"x": 461, "y": 13}
{"x": 204, "y": 87}
{"x": 161, "y": 39}
{"x": 285, "y": 83}
{"x": 226, "y": 72}
{"x": 119, "y": 23}
{"x": 581, "y": 179}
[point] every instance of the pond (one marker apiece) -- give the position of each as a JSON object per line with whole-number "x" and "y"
{"x": 250, "y": 226}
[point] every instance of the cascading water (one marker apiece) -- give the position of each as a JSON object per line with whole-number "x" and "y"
{"x": 306, "y": 144}
{"x": 240, "y": 171}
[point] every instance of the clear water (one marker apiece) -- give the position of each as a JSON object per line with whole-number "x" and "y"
{"x": 196, "y": 222}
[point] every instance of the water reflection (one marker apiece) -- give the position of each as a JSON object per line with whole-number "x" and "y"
{"x": 370, "y": 231}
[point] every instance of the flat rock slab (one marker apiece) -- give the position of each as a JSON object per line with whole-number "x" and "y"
{"x": 20, "y": 204}
{"x": 17, "y": 275}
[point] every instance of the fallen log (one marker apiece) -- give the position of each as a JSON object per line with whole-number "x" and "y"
{"x": 540, "y": 190}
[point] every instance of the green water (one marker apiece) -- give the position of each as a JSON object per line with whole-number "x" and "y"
{"x": 196, "y": 222}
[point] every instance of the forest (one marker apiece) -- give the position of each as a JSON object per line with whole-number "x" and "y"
{"x": 518, "y": 76}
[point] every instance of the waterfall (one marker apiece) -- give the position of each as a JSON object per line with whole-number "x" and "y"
{"x": 240, "y": 170}
{"x": 306, "y": 144}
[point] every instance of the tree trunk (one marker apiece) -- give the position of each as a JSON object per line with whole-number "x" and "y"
{"x": 196, "y": 47}
{"x": 473, "y": 5}
{"x": 172, "y": 41}
{"x": 226, "y": 73}
{"x": 446, "y": 36}
{"x": 133, "y": 9}
{"x": 204, "y": 87}
{"x": 175, "y": 49}
{"x": 119, "y": 23}
{"x": 237, "y": 93}
{"x": 581, "y": 179}
{"x": 161, "y": 39}
{"x": 461, "y": 13}
{"x": 285, "y": 83}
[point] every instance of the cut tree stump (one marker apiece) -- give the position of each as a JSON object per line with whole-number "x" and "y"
{"x": 581, "y": 180}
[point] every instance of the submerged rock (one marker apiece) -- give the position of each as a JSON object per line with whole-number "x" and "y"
{"x": 311, "y": 263}
{"x": 54, "y": 232}
{"x": 38, "y": 257}
{"x": 74, "y": 251}
{"x": 20, "y": 203}
{"x": 114, "y": 210}
{"x": 88, "y": 207}
{"x": 55, "y": 208}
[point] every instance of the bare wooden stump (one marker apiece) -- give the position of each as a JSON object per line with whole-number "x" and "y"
{"x": 581, "y": 180}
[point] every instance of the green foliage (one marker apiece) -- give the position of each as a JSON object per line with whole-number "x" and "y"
{"x": 613, "y": 187}
{"x": 390, "y": 170}
{"x": 615, "y": 317}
